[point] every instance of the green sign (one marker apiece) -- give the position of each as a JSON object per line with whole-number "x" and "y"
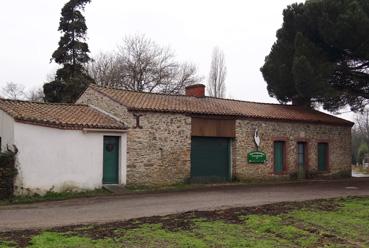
{"x": 256, "y": 157}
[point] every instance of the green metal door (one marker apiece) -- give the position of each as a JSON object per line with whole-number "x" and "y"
{"x": 278, "y": 156}
{"x": 111, "y": 160}
{"x": 322, "y": 156}
{"x": 210, "y": 159}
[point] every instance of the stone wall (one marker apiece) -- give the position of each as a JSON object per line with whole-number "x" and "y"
{"x": 338, "y": 139}
{"x": 157, "y": 154}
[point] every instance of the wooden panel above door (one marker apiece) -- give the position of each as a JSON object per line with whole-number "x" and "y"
{"x": 207, "y": 127}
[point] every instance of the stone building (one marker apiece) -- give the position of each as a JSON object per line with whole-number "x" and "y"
{"x": 176, "y": 139}
{"x": 114, "y": 136}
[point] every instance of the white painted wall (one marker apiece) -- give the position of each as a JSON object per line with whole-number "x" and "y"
{"x": 59, "y": 160}
{"x": 6, "y": 130}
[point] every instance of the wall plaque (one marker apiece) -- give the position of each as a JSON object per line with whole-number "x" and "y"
{"x": 256, "y": 157}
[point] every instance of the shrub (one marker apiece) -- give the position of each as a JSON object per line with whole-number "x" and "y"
{"x": 8, "y": 173}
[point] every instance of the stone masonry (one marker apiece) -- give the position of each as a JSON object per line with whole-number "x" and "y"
{"x": 159, "y": 152}
{"x": 338, "y": 139}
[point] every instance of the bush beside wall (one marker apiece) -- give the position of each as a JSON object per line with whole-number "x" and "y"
{"x": 8, "y": 172}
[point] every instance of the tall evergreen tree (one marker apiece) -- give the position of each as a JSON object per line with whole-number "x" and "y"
{"x": 72, "y": 78}
{"x": 321, "y": 55}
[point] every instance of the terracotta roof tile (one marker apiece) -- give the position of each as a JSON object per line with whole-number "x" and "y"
{"x": 64, "y": 116}
{"x": 216, "y": 106}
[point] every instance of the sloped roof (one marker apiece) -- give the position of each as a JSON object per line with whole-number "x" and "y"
{"x": 63, "y": 116}
{"x": 140, "y": 101}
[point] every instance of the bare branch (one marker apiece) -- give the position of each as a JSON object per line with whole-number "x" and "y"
{"x": 13, "y": 91}
{"x": 142, "y": 65}
{"x": 35, "y": 95}
{"x": 362, "y": 124}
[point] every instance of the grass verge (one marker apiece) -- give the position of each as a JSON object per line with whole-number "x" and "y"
{"x": 53, "y": 196}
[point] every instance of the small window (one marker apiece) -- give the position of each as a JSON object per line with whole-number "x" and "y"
{"x": 322, "y": 156}
{"x": 279, "y": 156}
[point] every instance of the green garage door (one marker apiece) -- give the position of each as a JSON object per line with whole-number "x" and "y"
{"x": 210, "y": 159}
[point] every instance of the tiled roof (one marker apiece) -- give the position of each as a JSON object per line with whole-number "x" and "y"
{"x": 64, "y": 116}
{"x": 140, "y": 101}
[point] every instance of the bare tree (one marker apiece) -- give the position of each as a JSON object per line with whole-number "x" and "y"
{"x": 142, "y": 65}
{"x": 362, "y": 124}
{"x": 218, "y": 71}
{"x": 35, "y": 95}
{"x": 105, "y": 69}
{"x": 17, "y": 92}
{"x": 13, "y": 91}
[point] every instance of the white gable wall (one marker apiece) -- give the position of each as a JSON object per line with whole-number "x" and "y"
{"x": 59, "y": 160}
{"x": 6, "y": 130}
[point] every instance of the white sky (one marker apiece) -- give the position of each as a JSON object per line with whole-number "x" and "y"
{"x": 244, "y": 30}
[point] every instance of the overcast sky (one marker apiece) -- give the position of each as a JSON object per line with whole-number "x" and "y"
{"x": 244, "y": 30}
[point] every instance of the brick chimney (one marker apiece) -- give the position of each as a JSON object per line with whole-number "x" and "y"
{"x": 197, "y": 90}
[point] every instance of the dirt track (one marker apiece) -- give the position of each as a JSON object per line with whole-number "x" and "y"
{"x": 118, "y": 208}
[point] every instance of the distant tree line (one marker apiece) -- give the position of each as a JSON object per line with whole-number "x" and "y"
{"x": 18, "y": 92}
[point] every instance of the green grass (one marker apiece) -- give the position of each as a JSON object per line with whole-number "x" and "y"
{"x": 351, "y": 222}
{"x": 57, "y": 240}
{"x": 345, "y": 226}
{"x": 6, "y": 244}
{"x": 53, "y": 196}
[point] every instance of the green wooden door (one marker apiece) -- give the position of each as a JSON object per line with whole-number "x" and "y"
{"x": 210, "y": 159}
{"x": 278, "y": 156}
{"x": 111, "y": 160}
{"x": 301, "y": 160}
{"x": 322, "y": 156}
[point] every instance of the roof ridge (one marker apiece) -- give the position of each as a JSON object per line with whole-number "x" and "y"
{"x": 170, "y": 95}
{"x": 135, "y": 91}
{"x": 44, "y": 103}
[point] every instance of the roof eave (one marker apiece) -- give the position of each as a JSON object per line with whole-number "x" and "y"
{"x": 239, "y": 116}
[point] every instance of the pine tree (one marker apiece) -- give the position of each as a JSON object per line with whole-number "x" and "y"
{"x": 72, "y": 78}
{"x": 321, "y": 55}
